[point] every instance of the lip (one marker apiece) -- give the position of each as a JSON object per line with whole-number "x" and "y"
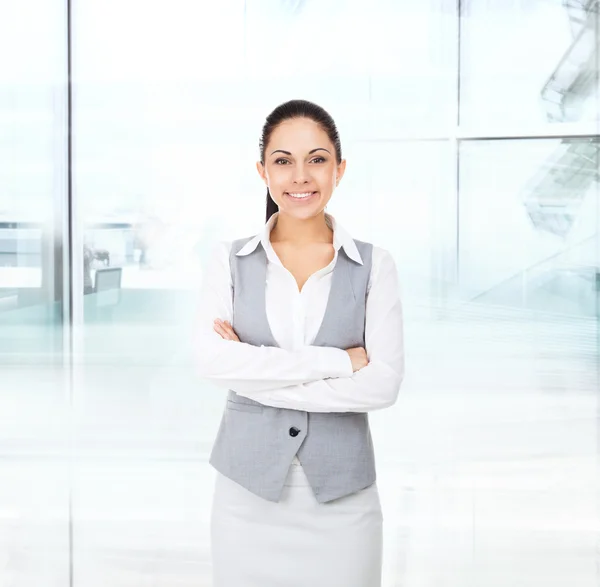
{"x": 302, "y": 200}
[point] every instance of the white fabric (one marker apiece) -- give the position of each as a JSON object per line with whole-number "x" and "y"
{"x": 295, "y": 542}
{"x": 297, "y": 375}
{"x": 298, "y": 542}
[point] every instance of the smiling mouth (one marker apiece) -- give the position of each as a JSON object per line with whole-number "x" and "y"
{"x": 300, "y": 195}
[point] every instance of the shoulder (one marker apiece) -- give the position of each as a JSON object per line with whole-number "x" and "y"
{"x": 216, "y": 258}
{"x": 383, "y": 267}
{"x": 382, "y": 264}
{"x": 221, "y": 252}
{"x": 382, "y": 256}
{"x": 224, "y": 248}
{"x": 378, "y": 256}
{"x": 220, "y": 249}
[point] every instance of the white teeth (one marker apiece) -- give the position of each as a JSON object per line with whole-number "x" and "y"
{"x": 300, "y": 196}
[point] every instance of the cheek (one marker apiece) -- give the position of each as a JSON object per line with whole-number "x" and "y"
{"x": 326, "y": 177}
{"x": 278, "y": 175}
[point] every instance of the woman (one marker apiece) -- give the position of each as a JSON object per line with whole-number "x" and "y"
{"x": 303, "y": 325}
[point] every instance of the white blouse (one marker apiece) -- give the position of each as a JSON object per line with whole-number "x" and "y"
{"x": 296, "y": 375}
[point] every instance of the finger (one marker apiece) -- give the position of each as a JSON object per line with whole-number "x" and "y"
{"x": 224, "y": 328}
{"x": 232, "y": 334}
{"x": 224, "y": 324}
{"x": 221, "y": 331}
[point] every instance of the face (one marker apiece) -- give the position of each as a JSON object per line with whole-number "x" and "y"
{"x": 300, "y": 168}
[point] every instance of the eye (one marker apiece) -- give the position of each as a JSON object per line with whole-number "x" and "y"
{"x": 318, "y": 160}
{"x": 281, "y": 161}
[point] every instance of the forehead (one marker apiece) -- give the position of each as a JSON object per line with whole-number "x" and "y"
{"x": 299, "y": 133}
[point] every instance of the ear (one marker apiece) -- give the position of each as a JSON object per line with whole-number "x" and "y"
{"x": 261, "y": 171}
{"x": 341, "y": 169}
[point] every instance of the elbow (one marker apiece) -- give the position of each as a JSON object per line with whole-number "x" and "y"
{"x": 393, "y": 391}
{"x": 207, "y": 371}
{"x": 208, "y": 375}
{"x": 388, "y": 382}
{"x": 206, "y": 358}
{"x": 204, "y": 364}
{"x": 204, "y": 371}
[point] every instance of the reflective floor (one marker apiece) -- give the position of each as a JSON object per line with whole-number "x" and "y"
{"x": 488, "y": 464}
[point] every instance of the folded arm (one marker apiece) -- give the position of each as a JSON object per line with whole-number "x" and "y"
{"x": 243, "y": 367}
{"x": 375, "y": 386}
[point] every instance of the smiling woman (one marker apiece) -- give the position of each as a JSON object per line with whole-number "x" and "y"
{"x": 288, "y": 317}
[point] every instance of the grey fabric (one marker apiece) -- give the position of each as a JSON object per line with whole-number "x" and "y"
{"x": 253, "y": 446}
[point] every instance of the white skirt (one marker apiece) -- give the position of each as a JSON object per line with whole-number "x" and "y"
{"x": 296, "y": 542}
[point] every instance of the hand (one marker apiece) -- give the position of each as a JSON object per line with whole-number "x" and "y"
{"x": 358, "y": 356}
{"x": 225, "y": 329}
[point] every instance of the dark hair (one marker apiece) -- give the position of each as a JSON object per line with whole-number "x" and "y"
{"x": 288, "y": 111}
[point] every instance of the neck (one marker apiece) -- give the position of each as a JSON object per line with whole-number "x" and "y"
{"x": 301, "y": 231}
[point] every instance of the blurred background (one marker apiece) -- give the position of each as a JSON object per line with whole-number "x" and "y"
{"x": 128, "y": 139}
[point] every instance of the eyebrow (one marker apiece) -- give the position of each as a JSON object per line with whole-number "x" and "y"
{"x": 310, "y": 152}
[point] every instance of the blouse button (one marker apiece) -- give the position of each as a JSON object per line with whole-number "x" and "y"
{"x": 294, "y": 431}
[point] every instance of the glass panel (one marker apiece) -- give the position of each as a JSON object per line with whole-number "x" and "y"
{"x": 34, "y": 491}
{"x": 517, "y": 488}
{"x": 529, "y": 62}
{"x": 391, "y": 197}
{"x": 529, "y": 224}
{"x": 389, "y": 66}
{"x": 157, "y": 169}
{"x": 166, "y": 141}
{"x": 164, "y": 164}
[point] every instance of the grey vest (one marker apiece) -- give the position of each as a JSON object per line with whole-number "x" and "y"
{"x": 256, "y": 444}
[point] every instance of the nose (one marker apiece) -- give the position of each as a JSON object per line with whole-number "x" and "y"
{"x": 301, "y": 174}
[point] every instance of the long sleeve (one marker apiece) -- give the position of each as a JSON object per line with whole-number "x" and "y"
{"x": 243, "y": 367}
{"x": 375, "y": 386}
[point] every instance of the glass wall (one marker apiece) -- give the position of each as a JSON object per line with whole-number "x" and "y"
{"x": 528, "y": 64}
{"x": 471, "y": 134}
{"x": 34, "y": 295}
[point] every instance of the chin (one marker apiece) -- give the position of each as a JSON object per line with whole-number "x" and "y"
{"x": 305, "y": 215}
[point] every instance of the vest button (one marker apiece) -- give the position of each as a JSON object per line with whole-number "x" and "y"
{"x": 294, "y": 431}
